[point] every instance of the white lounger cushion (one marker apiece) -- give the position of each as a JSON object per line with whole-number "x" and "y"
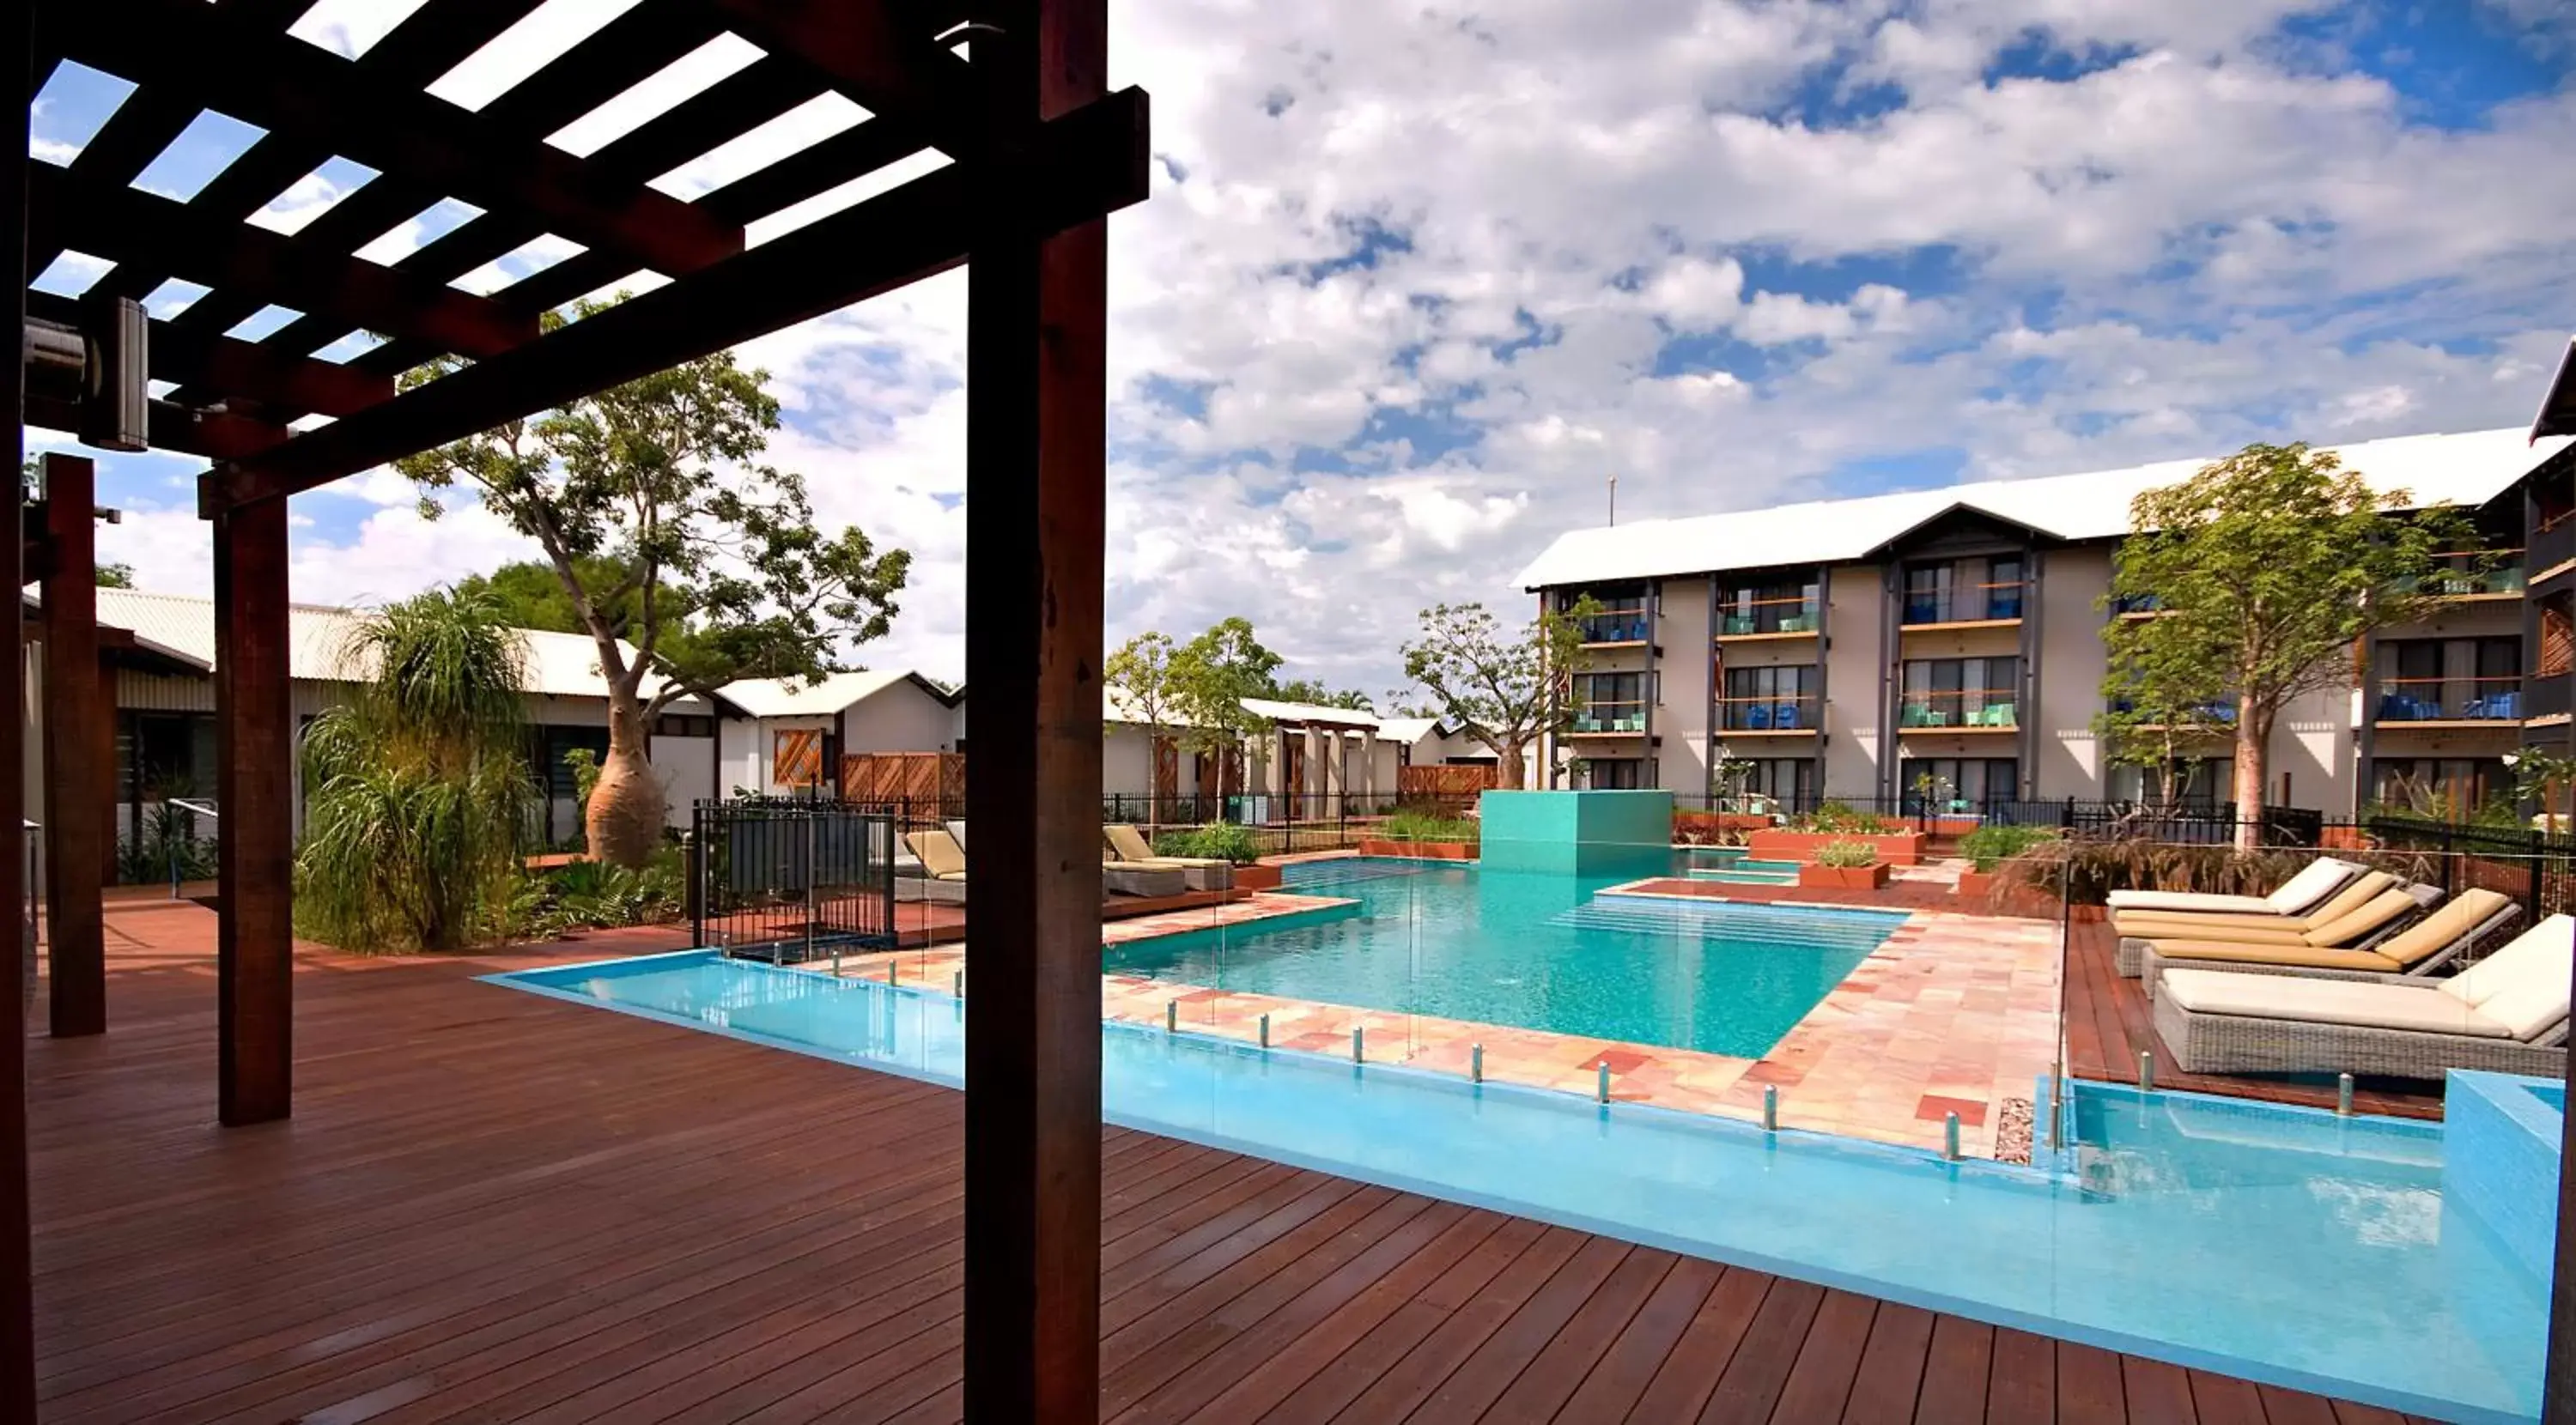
{"x": 2523, "y": 986}
{"x": 2313, "y": 884}
{"x": 2421, "y": 1008}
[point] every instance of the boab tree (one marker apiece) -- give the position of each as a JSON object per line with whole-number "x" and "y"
{"x": 687, "y": 561}
{"x": 2259, "y": 574}
{"x": 1505, "y": 687}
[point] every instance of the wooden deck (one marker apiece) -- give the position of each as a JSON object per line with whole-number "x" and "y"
{"x": 2108, "y": 1023}
{"x": 494, "y": 1206}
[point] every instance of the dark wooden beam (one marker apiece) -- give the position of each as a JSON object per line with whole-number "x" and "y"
{"x": 254, "y": 784}
{"x": 1088, "y": 163}
{"x": 283, "y": 84}
{"x": 129, "y": 224}
{"x": 876, "y": 52}
{"x": 18, "y": 75}
{"x": 1036, "y": 472}
{"x": 78, "y": 790}
{"x": 241, "y": 369}
{"x": 214, "y": 435}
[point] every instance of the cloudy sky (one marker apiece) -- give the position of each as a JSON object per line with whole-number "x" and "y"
{"x": 1416, "y": 279}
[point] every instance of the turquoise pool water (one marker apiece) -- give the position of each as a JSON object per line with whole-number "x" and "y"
{"x": 2281, "y": 1244}
{"x": 1535, "y": 951}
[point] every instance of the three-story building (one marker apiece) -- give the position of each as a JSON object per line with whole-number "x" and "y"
{"x": 1949, "y": 642}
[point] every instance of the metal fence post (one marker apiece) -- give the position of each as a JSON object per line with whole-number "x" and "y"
{"x": 693, "y": 862}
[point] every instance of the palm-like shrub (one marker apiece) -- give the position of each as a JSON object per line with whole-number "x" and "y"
{"x": 419, "y": 793}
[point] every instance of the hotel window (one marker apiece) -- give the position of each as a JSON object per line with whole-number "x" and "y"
{"x": 1610, "y": 702}
{"x": 1960, "y": 692}
{"x": 2450, "y": 680}
{"x": 1614, "y": 774}
{"x": 1769, "y": 608}
{"x": 2198, "y": 783}
{"x": 1964, "y": 590}
{"x": 1789, "y": 781}
{"x": 1623, "y": 615}
{"x": 1769, "y": 699}
{"x": 1957, "y": 784}
{"x": 2451, "y": 788}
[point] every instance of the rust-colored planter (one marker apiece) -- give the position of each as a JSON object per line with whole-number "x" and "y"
{"x": 2343, "y": 838}
{"x": 1256, "y": 878}
{"x": 1977, "y": 885}
{"x": 1420, "y": 850}
{"x": 1842, "y": 878}
{"x": 1895, "y": 848}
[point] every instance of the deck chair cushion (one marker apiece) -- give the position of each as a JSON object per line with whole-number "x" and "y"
{"x": 2315, "y": 883}
{"x": 957, "y": 830}
{"x": 2466, "y": 912}
{"x": 1129, "y": 843}
{"x": 2149, "y": 924}
{"x": 2354, "y": 926}
{"x": 2306, "y": 957}
{"x": 2373, "y": 1005}
{"x": 2525, "y": 954}
{"x": 940, "y": 854}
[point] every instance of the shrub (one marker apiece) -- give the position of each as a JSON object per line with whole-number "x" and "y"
{"x": 1990, "y": 846}
{"x": 2097, "y": 867}
{"x": 1423, "y": 826}
{"x": 1847, "y": 854}
{"x": 595, "y": 895}
{"x": 1217, "y": 841}
{"x": 1842, "y": 817}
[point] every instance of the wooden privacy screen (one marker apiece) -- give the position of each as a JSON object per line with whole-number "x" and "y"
{"x": 1463, "y": 779}
{"x": 796, "y": 756}
{"x": 922, "y": 779}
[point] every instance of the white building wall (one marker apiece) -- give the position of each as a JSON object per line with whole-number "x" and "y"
{"x": 1683, "y": 670}
{"x": 2073, "y": 661}
{"x": 1855, "y": 655}
{"x": 903, "y": 717}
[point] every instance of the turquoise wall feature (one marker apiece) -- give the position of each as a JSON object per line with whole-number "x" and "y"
{"x": 1576, "y": 833}
{"x": 2500, "y": 1149}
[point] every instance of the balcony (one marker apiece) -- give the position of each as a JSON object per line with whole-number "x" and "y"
{"x": 2472, "y": 574}
{"x": 1977, "y": 604}
{"x": 2449, "y": 700}
{"x": 1605, "y": 718}
{"x": 2548, "y": 695}
{"x": 1791, "y": 714}
{"x": 2552, "y": 545}
{"x": 1612, "y": 627}
{"x": 2216, "y": 713}
{"x": 1787, "y": 616}
{"x": 1958, "y": 710}
{"x": 2136, "y": 606}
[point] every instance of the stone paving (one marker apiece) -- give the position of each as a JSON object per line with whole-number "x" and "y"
{"x": 1954, "y": 1013}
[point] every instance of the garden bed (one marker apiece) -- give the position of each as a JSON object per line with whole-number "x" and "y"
{"x": 1419, "y": 850}
{"x": 1895, "y": 848}
{"x": 1843, "y": 878}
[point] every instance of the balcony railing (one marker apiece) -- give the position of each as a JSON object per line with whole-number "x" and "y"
{"x": 1978, "y": 603}
{"x": 1605, "y": 716}
{"x": 2221, "y": 713}
{"x": 1792, "y": 613}
{"x": 2548, "y": 694}
{"x": 1614, "y": 626}
{"x": 2471, "y": 573}
{"x": 2450, "y": 699}
{"x": 2135, "y": 604}
{"x": 1793, "y": 713}
{"x": 2553, "y": 544}
{"x": 1960, "y": 708}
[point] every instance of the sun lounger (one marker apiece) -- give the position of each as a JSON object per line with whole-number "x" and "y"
{"x": 2472, "y": 918}
{"x": 2136, "y": 927}
{"x": 1140, "y": 878}
{"x": 1204, "y": 873}
{"x": 2301, "y": 893}
{"x": 957, "y": 830}
{"x": 943, "y": 869}
{"x": 2506, "y": 1014}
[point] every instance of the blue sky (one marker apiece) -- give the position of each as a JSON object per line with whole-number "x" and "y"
{"x": 1416, "y": 281}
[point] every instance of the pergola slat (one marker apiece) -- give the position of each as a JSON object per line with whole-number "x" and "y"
{"x": 888, "y": 63}
{"x": 241, "y": 368}
{"x": 1091, "y": 162}
{"x": 286, "y": 85}
{"x": 214, "y": 435}
{"x": 132, "y": 225}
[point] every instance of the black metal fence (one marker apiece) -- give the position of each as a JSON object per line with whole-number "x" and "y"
{"x": 2535, "y": 869}
{"x": 790, "y": 879}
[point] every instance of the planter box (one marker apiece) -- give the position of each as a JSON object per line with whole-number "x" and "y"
{"x": 1978, "y": 885}
{"x": 1842, "y": 878}
{"x": 1420, "y": 850}
{"x": 1895, "y": 848}
{"x": 1256, "y": 878}
{"x": 2342, "y": 838}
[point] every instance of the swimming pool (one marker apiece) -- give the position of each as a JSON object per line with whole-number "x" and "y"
{"x": 1535, "y": 951}
{"x": 2281, "y": 1244}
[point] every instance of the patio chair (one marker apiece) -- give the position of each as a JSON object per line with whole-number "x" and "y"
{"x": 943, "y": 869}
{"x": 2472, "y": 917}
{"x": 1139, "y": 878}
{"x": 1757, "y": 717}
{"x": 1785, "y": 716}
{"x": 2303, "y": 892}
{"x": 2507, "y": 1014}
{"x": 1203, "y": 873}
{"x": 2136, "y": 927}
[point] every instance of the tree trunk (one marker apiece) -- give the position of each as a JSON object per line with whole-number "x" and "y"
{"x": 1507, "y": 768}
{"x": 624, "y": 820}
{"x": 2253, "y": 742}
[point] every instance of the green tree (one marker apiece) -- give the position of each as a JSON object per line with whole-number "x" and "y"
{"x": 531, "y": 595}
{"x": 1141, "y": 681}
{"x": 116, "y": 576}
{"x": 419, "y": 788}
{"x": 2260, "y": 573}
{"x": 1211, "y": 676}
{"x": 1506, "y": 687}
{"x": 686, "y": 560}
{"x": 1315, "y": 694}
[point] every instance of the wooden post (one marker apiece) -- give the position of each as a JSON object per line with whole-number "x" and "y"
{"x": 1036, "y": 470}
{"x": 17, "y": 1291}
{"x": 76, "y": 777}
{"x": 254, "y": 753}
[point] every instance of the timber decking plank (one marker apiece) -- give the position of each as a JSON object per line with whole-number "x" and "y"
{"x": 1891, "y": 1366}
{"x": 1622, "y": 1373}
{"x": 2021, "y": 1381}
{"x": 1751, "y": 1386}
{"x": 1954, "y": 1373}
{"x": 2089, "y": 1389}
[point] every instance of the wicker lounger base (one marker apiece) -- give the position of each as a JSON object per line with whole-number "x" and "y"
{"x": 2155, "y": 966}
{"x": 2130, "y": 958}
{"x": 925, "y": 888}
{"x": 2230, "y": 1044}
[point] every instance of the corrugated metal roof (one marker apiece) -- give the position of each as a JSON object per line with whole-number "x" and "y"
{"x": 1307, "y": 712}
{"x": 1408, "y": 729}
{"x": 559, "y": 664}
{"x": 2463, "y": 469}
{"x": 782, "y": 697}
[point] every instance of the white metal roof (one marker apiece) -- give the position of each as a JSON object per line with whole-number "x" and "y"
{"x": 1408, "y": 729}
{"x": 787, "y": 697}
{"x": 2463, "y": 469}
{"x": 183, "y": 626}
{"x": 1308, "y": 712}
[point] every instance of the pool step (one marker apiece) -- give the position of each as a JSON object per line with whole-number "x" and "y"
{"x": 1642, "y": 915}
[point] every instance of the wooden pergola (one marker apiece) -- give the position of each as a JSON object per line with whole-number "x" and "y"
{"x": 1041, "y": 151}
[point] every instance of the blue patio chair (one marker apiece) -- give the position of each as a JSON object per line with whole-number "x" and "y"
{"x": 1757, "y": 717}
{"x": 1785, "y": 716}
